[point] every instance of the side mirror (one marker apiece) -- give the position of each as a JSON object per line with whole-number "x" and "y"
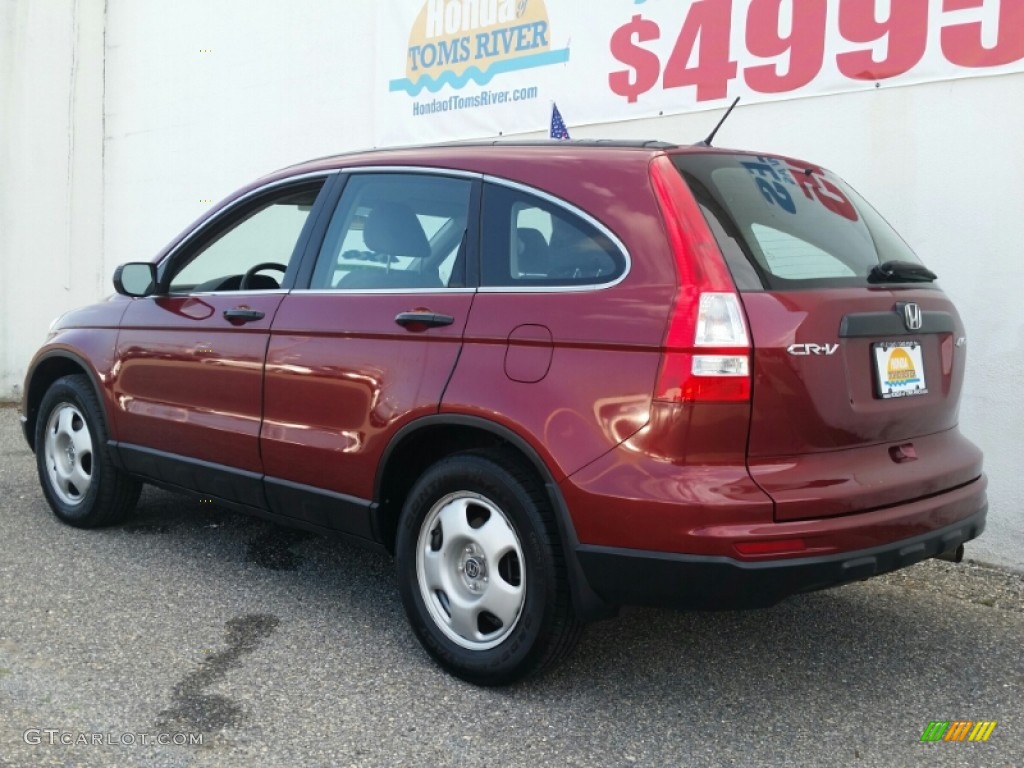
{"x": 136, "y": 278}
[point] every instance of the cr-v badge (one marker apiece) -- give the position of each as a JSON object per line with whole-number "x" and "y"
{"x": 802, "y": 350}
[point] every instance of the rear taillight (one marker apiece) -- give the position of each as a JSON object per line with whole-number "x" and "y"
{"x": 707, "y": 348}
{"x": 720, "y": 321}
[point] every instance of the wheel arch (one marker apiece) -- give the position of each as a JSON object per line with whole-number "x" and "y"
{"x": 423, "y": 442}
{"x": 47, "y": 368}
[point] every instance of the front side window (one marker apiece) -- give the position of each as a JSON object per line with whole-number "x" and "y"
{"x": 531, "y": 242}
{"x": 396, "y": 231}
{"x": 252, "y": 249}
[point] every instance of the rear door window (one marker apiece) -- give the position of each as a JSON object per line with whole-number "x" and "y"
{"x": 396, "y": 231}
{"x": 782, "y": 224}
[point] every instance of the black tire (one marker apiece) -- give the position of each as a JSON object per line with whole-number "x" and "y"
{"x": 477, "y": 532}
{"x": 80, "y": 482}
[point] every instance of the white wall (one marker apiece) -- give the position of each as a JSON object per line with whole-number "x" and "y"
{"x": 51, "y": 171}
{"x": 284, "y": 82}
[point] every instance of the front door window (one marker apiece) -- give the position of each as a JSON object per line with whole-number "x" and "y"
{"x": 252, "y": 251}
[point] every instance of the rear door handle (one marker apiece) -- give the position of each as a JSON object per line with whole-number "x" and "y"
{"x": 426, "y": 319}
{"x": 242, "y": 315}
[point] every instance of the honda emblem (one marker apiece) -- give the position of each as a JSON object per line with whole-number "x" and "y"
{"x": 912, "y": 316}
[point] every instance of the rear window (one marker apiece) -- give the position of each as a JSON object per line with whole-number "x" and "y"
{"x": 783, "y": 224}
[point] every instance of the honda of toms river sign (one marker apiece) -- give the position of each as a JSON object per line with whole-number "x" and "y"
{"x": 452, "y": 69}
{"x": 458, "y": 56}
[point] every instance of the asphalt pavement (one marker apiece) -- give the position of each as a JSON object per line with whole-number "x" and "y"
{"x": 194, "y": 636}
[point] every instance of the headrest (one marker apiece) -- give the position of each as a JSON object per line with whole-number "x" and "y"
{"x": 393, "y": 228}
{"x": 531, "y": 239}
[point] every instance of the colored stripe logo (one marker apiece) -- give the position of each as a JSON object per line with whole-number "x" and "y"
{"x": 958, "y": 730}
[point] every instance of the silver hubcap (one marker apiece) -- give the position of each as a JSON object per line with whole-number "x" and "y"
{"x": 469, "y": 564}
{"x": 68, "y": 454}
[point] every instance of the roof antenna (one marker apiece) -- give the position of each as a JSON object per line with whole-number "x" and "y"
{"x": 711, "y": 136}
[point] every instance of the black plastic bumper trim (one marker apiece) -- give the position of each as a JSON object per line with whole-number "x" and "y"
{"x": 641, "y": 577}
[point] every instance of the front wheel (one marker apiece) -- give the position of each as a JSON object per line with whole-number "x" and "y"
{"x": 481, "y": 570}
{"x": 80, "y": 482}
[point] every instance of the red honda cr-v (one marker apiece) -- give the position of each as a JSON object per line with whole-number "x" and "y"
{"x": 552, "y": 379}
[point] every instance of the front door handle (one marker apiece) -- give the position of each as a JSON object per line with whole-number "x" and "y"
{"x": 422, "y": 319}
{"x": 242, "y": 315}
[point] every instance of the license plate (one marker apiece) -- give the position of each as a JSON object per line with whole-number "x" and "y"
{"x": 899, "y": 369}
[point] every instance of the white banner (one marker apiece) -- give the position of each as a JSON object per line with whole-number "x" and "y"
{"x": 452, "y": 69}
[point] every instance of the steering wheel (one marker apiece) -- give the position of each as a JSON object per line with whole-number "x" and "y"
{"x": 259, "y": 267}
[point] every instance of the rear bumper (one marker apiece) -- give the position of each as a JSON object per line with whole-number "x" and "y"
{"x": 641, "y": 577}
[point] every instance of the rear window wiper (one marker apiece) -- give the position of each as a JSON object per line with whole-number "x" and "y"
{"x": 900, "y": 272}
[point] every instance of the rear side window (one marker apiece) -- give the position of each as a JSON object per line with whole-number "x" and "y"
{"x": 529, "y": 241}
{"x": 784, "y": 225}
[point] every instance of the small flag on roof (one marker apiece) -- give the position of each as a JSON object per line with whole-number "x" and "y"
{"x": 558, "y": 129}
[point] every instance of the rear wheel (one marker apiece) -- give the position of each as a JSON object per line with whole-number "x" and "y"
{"x": 81, "y": 484}
{"x": 481, "y": 570}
